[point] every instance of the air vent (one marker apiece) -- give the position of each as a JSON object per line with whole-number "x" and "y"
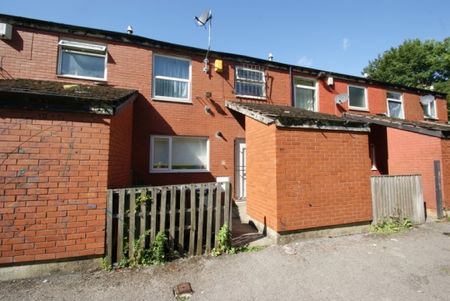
{"x": 5, "y": 31}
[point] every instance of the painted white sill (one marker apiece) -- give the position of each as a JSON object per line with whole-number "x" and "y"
{"x": 168, "y": 99}
{"x": 96, "y": 79}
{"x": 358, "y": 109}
{"x": 179, "y": 171}
{"x": 252, "y": 97}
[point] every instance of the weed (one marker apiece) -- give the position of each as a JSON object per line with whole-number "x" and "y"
{"x": 141, "y": 256}
{"x": 393, "y": 225}
{"x": 105, "y": 265}
{"x": 224, "y": 244}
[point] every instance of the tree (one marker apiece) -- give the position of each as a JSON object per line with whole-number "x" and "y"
{"x": 415, "y": 63}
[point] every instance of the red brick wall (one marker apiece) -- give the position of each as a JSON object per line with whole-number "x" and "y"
{"x": 120, "y": 149}
{"x": 445, "y": 166}
{"x": 323, "y": 179}
{"x": 412, "y": 153}
{"x": 299, "y": 179}
{"x": 53, "y": 177}
{"x": 34, "y": 55}
{"x": 261, "y": 172}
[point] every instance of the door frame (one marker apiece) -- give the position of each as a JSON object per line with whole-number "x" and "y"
{"x": 240, "y": 173}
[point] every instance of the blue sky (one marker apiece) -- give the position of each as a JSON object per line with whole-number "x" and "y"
{"x": 340, "y": 36}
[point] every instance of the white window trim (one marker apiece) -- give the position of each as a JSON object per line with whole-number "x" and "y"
{"x": 402, "y": 112}
{"x": 366, "y": 100}
{"x": 315, "y": 88}
{"x": 435, "y": 117}
{"x": 189, "y": 81}
{"x": 92, "y": 49}
{"x": 250, "y": 81}
{"x": 170, "y": 170}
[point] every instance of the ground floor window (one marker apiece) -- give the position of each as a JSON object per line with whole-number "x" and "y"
{"x": 179, "y": 154}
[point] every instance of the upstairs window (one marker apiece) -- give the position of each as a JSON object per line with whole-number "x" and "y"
{"x": 429, "y": 110}
{"x": 357, "y": 98}
{"x": 82, "y": 60}
{"x": 305, "y": 93}
{"x": 250, "y": 82}
{"x": 179, "y": 154}
{"x": 171, "y": 78}
{"x": 395, "y": 105}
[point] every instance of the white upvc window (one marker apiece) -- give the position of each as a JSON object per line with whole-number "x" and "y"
{"x": 171, "y": 78}
{"x": 305, "y": 96}
{"x": 429, "y": 110}
{"x": 250, "y": 82}
{"x": 357, "y": 97}
{"x": 395, "y": 105}
{"x": 82, "y": 60}
{"x": 179, "y": 154}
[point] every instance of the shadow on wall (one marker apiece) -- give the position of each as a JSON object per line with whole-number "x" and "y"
{"x": 147, "y": 122}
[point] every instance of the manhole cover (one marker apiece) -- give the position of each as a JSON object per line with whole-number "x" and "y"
{"x": 183, "y": 290}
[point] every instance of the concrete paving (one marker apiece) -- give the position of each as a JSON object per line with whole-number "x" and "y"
{"x": 414, "y": 265}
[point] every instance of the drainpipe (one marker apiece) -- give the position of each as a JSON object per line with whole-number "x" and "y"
{"x": 291, "y": 82}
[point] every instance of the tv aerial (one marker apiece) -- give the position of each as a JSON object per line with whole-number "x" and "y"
{"x": 205, "y": 21}
{"x": 341, "y": 98}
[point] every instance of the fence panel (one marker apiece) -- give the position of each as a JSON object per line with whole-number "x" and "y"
{"x": 397, "y": 196}
{"x": 190, "y": 216}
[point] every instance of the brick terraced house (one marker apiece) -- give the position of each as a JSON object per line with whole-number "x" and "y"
{"x": 83, "y": 110}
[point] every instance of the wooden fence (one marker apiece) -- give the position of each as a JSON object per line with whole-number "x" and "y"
{"x": 397, "y": 196}
{"x": 190, "y": 216}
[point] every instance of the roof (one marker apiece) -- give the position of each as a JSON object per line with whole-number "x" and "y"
{"x": 146, "y": 42}
{"x": 291, "y": 117}
{"x": 429, "y": 128}
{"x": 60, "y": 96}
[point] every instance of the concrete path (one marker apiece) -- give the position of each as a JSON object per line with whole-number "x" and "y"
{"x": 410, "y": 266}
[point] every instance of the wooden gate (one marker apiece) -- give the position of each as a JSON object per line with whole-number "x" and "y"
{"x": 190, "y": 216}
{"x": 397, "y": 196}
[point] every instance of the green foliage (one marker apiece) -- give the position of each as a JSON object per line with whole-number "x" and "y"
{"x": 142, "y": 198}
{"x": 159, "y": 249}
{"x": 414, "y": 63}
{"x": 393, "y": 225}
{"x": 141, "y": 256}
{"x": 105, "y": 265}
{"x": 223, "y": 239}
{"x": 224, "y": 244}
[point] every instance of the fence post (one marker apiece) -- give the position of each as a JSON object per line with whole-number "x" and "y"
{"x": 438, "y": 187}
{"x": 132, "y": 225}
{"x": 120, "y": 224}
{"x": 109, "y": 227}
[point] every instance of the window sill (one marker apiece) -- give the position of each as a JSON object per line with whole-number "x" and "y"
{"x": 251, "y": 97}
{"x": 100, "y": 80}
{"x": 428, "y": 118}
{"x": 358, "y": 109}
{"x": 174, "y": 171}
{"x": 175, "y": 100}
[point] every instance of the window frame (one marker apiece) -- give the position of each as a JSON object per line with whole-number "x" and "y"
{"x": 402, "y": 112}
{"x": 315, "y": 88}
{"x": 189, "y": 81}
{"x": 366, "y": 100}
{"x": 169, "y": 169}
{"x": 84, "y": 48}
{"x": 263, "y": 83}
{"x": 428, "y": 109}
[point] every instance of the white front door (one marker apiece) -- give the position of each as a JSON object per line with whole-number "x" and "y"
{"x": 240, "y": 169}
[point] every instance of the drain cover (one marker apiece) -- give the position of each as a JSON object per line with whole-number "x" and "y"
{"x": 183, "y": 290}
{"x": 446, "y": 233}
